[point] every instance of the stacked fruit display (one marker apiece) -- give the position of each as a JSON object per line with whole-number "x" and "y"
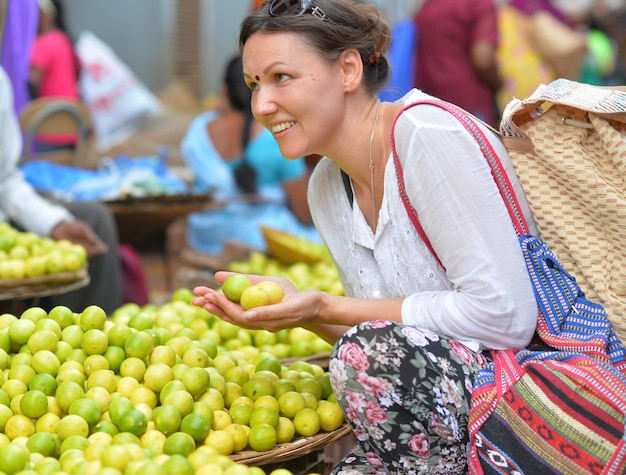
{"x": 151, "y": 390}
{"x": 321, "y": 275}
{"x": 26, "y": 254}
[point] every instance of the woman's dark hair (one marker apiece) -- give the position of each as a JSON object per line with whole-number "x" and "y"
{"x": 347, "y": 25}
{"x": 239, "y": 96}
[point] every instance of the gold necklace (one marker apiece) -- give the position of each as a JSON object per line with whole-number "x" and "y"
{"x": 371, "y": 165}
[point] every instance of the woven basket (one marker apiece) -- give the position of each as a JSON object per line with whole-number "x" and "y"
{"x": 41, "y": 286}
{"x": 140, "y": 218}
{"x": 297, "y": 448}
{"x": 278, "y": 245}
{"x": 567, "y": 144}
{"x": 320, "y": 359}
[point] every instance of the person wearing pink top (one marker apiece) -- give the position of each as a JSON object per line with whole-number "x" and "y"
{"x": 54, "y": 66}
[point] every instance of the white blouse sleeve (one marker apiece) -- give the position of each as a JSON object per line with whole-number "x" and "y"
{"x": 449, "y": 183}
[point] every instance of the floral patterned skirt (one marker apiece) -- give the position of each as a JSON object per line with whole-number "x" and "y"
{"x": 406, "y": 394}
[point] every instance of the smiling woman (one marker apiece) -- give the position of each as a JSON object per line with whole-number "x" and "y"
{"x": 410, "y": 332}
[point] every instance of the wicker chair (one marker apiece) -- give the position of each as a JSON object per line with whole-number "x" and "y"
{"x": 55, "y": 116}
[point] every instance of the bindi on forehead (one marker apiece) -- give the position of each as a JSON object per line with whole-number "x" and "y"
{"x": 257, "y": 77}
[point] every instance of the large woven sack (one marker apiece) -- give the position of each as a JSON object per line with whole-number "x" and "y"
{"x": 568, "y": 145}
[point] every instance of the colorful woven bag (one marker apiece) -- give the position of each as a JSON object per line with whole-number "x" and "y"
{"x": 558, "y": 406}
{"x": 567, "y": 142}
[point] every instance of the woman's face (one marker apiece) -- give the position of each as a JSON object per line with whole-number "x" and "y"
{"x": 296, "y": 95}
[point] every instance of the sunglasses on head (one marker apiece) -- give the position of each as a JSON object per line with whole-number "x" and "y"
{"x": 295, "y": 8}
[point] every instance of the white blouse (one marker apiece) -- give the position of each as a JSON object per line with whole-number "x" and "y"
{"x": 484, "y": 298}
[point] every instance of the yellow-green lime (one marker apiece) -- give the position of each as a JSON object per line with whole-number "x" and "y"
{"x": 309, "y": 385}
{"x": 106, "y": 426}
{"x": 282, "y": 386}
{"x": 167, "y": 419}
{"x": 196, "y": 425}
{"x": 221, "y": 440}
{"x": 20, "y": 331}
{"x": 92, "y": 317}
{"x": 22, "y": 372}
{"x": 118, "y": 334}
{"x": 285, "y": 430}
{"x": 196, "y": 380}
{"x": 34, "y": 404}
{"x": 116, "y": 456}
{"x": 101, "y": 396}
{"x": 307, "y": 422}
{"x": 240, "y": 413}
{"x": 237, "y": 375}
{"x": 18, "y": 425}
{"x": 79, "y": 442}
{"x": 43, "y": 443}
{"x": 63, "y": 315}
{"x": 181, "y": 400}
{"x": 42, "y": 340}
{"x": 13, "y": 458}
{"x": 196, "y": 357}
{"x": 44, "y": 382}
{"x": 291, "y": 403}
{"x": 157, "y": 375}
{"x": 133, "y": 367}
{"x": 45, "y": 361}
{"x": 141, "y": 321}
{"x": 139, "y": 344}
{"x": 102, "y": 378}
{"x": 221, "y": 419}
{"x": 269, "y": 363}
{"x": 72, "y": 425}
{"x": 94, "y": 342}
{"x": 115, "y": 355}
{"x": 239, "y": 435}
{"x": 331, "y": 415}
{"x": 67, "y": 392}
{"x": 133, "y": 421}
{"x": 254, "y": 296}
{"x": 173, "y": 385}
{"x": 33, "y": 313}
{"x": 119, "y": 406}
{"x": 47, "y": 423}
{"x": 163, "y": 354}
{"x": 88, "y": 409}
{"x": 273, "y": 289}
{"x": 258, "y": 386}
{"x": 234, "y": 286}
{"x": 179, "y": 443}
{"x": 264, "y": 415}
{"x": 262, "y": 437}
{"x": 179, "y": 465}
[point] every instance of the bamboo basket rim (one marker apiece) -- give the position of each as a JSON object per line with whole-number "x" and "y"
{"x": 296, "y": 448}
{"x": 274, "y": 239}
{"x": 44, "y": 285}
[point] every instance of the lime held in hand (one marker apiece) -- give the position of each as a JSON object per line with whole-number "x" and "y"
{"x": 234, "y": 286}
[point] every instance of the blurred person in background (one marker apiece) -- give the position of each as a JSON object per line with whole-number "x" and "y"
{"x": 531, "y": 32}
{"x": 456, "y": 59}
{"x": 234, "y": 155}
{"x": 90, "y": 224}
{"x": 54, "y": 67}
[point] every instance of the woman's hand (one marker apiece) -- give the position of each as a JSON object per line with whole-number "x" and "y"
{"x": 297, "y": 308}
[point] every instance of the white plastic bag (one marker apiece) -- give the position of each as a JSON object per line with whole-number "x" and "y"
{"x": 118, "y": 102}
